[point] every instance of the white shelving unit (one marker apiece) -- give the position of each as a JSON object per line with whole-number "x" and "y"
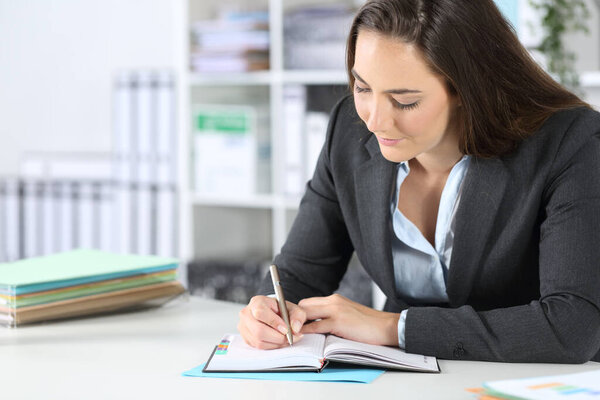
{"x": 207, "y": 220}
{"x": 210, "y": 224}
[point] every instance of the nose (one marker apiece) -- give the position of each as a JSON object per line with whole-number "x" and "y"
{"x": 380, "y": 118}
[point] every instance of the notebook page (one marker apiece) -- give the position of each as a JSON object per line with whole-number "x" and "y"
{"x": 344, "y": 350}
{"x": 233, "y": 354}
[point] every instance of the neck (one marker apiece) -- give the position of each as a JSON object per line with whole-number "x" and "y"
{"x": 435, "y": 165}
{"x": 439, "y": 160}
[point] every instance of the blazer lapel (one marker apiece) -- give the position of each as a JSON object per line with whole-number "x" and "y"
{"x": 481, "y": 198}
{"x": 374, "y": 184}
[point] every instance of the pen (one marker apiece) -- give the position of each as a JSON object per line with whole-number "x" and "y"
{"x": 281, "y": 301}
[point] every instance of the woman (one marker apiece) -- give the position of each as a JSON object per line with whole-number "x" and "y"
{"x": 470, "y": 193}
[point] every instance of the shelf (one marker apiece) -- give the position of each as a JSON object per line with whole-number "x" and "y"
{"x": 239, "y": 217}
{"x": 315, "y": 77}
{"x": 230, "y": 79}
{"x": 252, "y": 201}
{"x": 266, "y": 201}
{"x": 305, "y": 77}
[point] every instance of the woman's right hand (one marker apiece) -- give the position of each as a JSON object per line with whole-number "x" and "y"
{"x": 262, "y": 327}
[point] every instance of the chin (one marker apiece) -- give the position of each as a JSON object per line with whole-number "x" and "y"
{"x": 394, "y": 155}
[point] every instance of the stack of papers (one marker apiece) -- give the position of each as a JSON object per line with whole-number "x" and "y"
{"x": 234, "y": 42}
{"x": 82, "y": 282}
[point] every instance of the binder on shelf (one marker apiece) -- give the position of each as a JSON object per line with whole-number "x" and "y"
{"x": 165, "y": 227}
{"x": 145, "y": 218}
{"x": 294, "y": 110}
{"x": 49, "y": 224}
{"x": 106, "y": 200}
{"x": 59, "y": 207}
{"x": 144, "y": 136}
{"x": 13, "y": 220}
{"x": 166, "y": 146}
{"x": 123, "y": 140}
{"x": 143, "y": 153}
{"x": 123, "y": 218}
{"x": 166, "y": 143}
{"x": 225, "y": 149}
{"x": 316, "y": 130}
{"x": 32, "y": 221}
{"x": 145, "y": 157}
{"x": 305, "y": 120}
{"x": 86, "y": 221}
{"x": 66, "y": 217}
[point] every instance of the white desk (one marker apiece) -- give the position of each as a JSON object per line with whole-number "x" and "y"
{"x": 142, "y": 355}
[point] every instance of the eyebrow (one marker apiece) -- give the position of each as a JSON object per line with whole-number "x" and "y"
{"x": 391, "y": 91}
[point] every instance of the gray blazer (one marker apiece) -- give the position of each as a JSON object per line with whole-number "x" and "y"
{"x": 524, "y": 280}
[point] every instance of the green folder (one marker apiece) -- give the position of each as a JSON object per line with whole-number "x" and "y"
{"x": 75, "y": 268}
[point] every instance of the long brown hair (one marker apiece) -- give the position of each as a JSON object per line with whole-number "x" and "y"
{"x": 505, "y": 95}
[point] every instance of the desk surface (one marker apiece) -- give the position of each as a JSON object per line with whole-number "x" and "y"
{"x": 141, "y": 355}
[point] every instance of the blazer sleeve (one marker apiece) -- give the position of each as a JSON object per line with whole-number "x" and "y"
{"x": 317, "y": 250}
{"x": 563, "y": 326}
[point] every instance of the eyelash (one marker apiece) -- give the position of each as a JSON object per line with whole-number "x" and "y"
{"x": 397, "y": 104}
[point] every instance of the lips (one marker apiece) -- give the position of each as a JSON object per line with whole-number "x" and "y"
{"x": 388, "y": 142}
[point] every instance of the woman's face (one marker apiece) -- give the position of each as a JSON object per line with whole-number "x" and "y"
{"x": 401, "y": 101}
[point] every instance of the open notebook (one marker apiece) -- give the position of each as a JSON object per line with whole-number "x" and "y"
{"x": 312, "y": 353}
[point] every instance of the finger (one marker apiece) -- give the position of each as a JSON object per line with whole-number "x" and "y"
{"x": 297, "y": 317}
{"x": 258, "y": 327}
{"x": 256, "y": 342}
{"x": 254, "y": 335}
{"x": 325, "y": 300}
{"x": 265, "y": 313}
{"x": 261, "y": 335}
{"x": 323, "y": 311}
{"x": 321, "y": 326}
{"x": 325, "y": 307}
{"x": 313, "y": 301}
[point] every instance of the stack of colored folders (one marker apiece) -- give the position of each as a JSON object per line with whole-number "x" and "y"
{"x": 82, "y": 282}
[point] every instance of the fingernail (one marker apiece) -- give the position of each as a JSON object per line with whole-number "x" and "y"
{"x": 296, "y": 326}
{"x": 282, "y": 329}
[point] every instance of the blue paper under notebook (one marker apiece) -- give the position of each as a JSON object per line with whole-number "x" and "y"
{"x": 329, "y": 374}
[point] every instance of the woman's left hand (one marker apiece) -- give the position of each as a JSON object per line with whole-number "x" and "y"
{"x": 345, "y": 318}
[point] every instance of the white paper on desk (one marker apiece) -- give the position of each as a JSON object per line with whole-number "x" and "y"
{"x": 578, "y": 386}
